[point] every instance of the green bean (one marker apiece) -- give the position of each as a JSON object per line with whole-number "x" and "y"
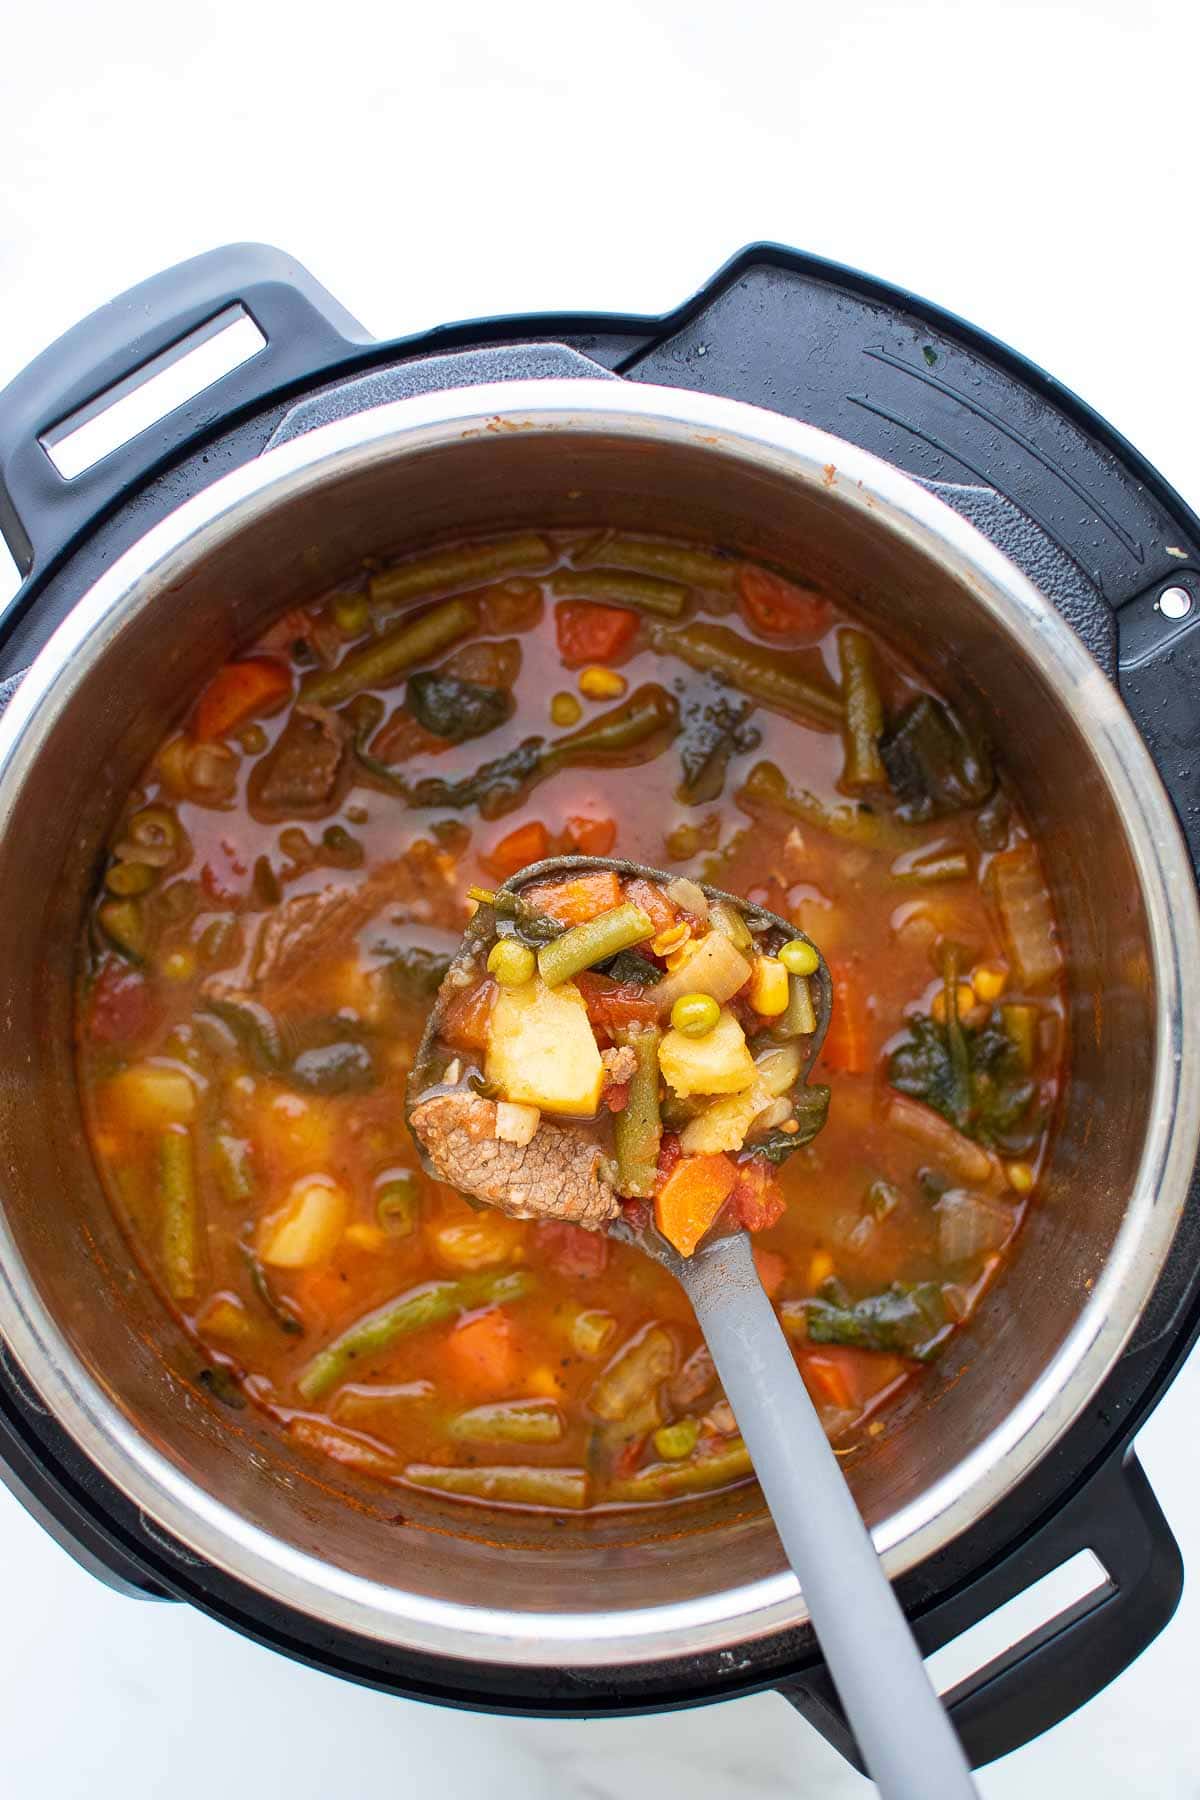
{"x": 594, "y": 941}
{"x": 232, "y": 1168}
{"x": 672, "y": 1480}
{"x": 677, "y": 562}
{"x": 863, "y": 767}
{"x": 413, "y": 1311}
{"x": 590, "y": 1331}
{"x": 621, "y": 587}
{"x": 1020, "y": 1024}
{"x": 463, "y": 565}
{"x": 764, "y": 674}
{"x": 282, "y": 1314}
{"x": 766, "y": 790}
{"x": 627, "y": 734}
{"x": 728, "y": 920}
{"x": 378, "y": 663}
{"x": 398, "y": 1204}
{"x": 510, "y": 1484}
{"x": 634, "y": 1374}
{"x": 509, "y": 1422}
{"x": 637, "y": 1128}
{"x": 931, "y": 869}
{"x": 176, "y": 1182}
{"x": 351, "y": 614}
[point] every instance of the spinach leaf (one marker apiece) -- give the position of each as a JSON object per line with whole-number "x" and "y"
{"x": 715, "y": 729}
{"x": 994, "y": 1108}
{"x": 906, "y": 1319}
{"x": 933, "y": 766}
{"x": 810, "y": 1109}
{"x": 415, "y": 973}
{"x": 455, "y": 709}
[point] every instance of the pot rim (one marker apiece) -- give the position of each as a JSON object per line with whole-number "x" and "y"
{"x": 208, "y": 1528}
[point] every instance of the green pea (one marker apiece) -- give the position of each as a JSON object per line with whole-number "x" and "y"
{"x": 512, "y": 963}
{"x": 253, "y": 739}
{"x": 799, "y": 958}
{"x": 695, "y": 1015}
{"x": 154, "y": 828}
{"x": 673, "y": 1442}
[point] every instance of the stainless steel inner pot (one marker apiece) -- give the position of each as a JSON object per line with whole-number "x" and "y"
{"x": 84, "y": 1324}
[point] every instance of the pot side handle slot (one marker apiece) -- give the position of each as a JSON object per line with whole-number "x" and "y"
{"x": 107, "y": 360}
{"x": 1112, "y": 1565}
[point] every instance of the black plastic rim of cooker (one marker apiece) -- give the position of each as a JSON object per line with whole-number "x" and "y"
{"x": 1073, "y": 503}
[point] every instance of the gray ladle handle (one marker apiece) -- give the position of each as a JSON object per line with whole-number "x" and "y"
{"x": 907, "y": 1742}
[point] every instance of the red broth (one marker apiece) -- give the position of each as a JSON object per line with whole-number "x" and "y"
{"x": 291, "y": 873}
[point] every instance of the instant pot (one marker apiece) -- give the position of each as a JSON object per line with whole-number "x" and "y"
{"x": 980, "y": 515}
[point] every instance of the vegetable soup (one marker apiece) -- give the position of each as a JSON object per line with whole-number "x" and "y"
{"x": 282, "y": 898}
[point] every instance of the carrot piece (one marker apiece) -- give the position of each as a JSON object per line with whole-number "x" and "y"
{"x": 650, "y": 897}
{"x": 592, "y": 837}
{"x": 575, "y": 901}
{"x": 758, "y": 1202}
{"x": 846, "y": 1046}
{"x": 236, "y": 693}
{"x": 529, "y": 843}
{"x": 846, "y": 1377}
{"x": 588, "y": 632}
{"x": 465, "y": 1024}
{"x": 691, "y": 1197}
{"x": 772, "y": 1268}
{"x": 778, "y": 608}
{"x": 482, "y": 1354}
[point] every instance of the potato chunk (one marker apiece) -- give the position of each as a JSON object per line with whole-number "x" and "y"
{"x": 541, "y": 1051}
{"x": 717, "y": 1064}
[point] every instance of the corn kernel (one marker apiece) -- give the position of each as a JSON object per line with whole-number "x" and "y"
{"x": 565, "y": 710}
{"x": 178, "y": 965}
{"x": 596, "y": 683}
{"x": 1020, "y": 1177}
{"x": 673, "y": 937}
{"x": 989, "y": 981}
{"x": 365, "y": 1237}
{"x": 964, "y": 1000}
{"x": 543, "y": 1382}
{"x": 768, "y": 987}
{"x": 876, "y": 1428}
{"x": 820, "y": 1268}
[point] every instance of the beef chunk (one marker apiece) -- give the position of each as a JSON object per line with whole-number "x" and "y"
{"x": 556, "y": 1175}
{"x": 303, "y": 775}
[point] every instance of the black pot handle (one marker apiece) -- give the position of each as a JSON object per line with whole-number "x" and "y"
{"x": 1070, "y": 1659}
{"x": 307, "y": 333}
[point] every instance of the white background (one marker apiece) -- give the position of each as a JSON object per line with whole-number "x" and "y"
{"x": 1029, "y": 165}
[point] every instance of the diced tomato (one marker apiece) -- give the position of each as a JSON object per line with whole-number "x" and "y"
{"x": 529, "y": 843}
{"x": 121, "y": 1007}
{"x": 588, "y": 632}
{"x": 612, "y": 1005}
{"x": 841, "y": 1375}
{"x": 578, "y": 899}
{"x": 465, "y": 1024}
{"x": 650, "y": 897}
{"x": 772, "y": 1268}
{"x": 757, "y": 1202}
{"x": 670, "y": 1151}
{"x": 238, "y": 692}
{"x": 846, "y": 1047}
{"x": 592, "y": 837}
{"x": 570, "y": 1249}
{"x": 482, "y": 1354}
{"x": 616, "y": 1096}
{"x": 778, "y": 608}
{"x": 636, "y": 1213}
{"x": 689, "y": 1200}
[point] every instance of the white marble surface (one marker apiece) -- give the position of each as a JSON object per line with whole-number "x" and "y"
{"x": 1030, "y": 164}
